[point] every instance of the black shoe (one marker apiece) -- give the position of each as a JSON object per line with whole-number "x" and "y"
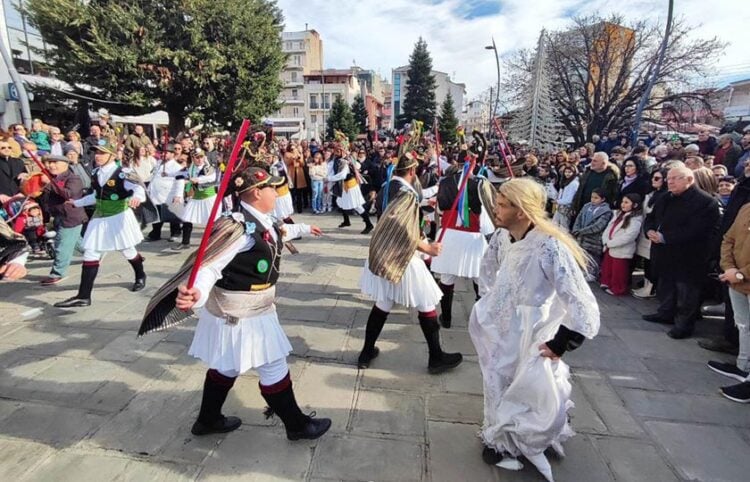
{"x": 444, "y": 322}
{"x": 728, "y": 370}
{"x": 719, "y": 345}
{"x": 139, "y": 285}
{"x": 151, "y": 239}
{"x": 737, "y": 393}
{"x": 345, "y": 224}
{"x": 366, "y": 358}
{"x": 444, "y": 363}
{"x": 73, "y": 302}
{"x": 657, "y": 318}
{"x": 491, "y": 456}
{"x": 313, "y": 428}
{"x": 679, "y": 334}
{"x": 221, "y": 425}
{"x": 367, "y": 230}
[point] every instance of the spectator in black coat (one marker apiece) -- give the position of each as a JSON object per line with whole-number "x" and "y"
{"x": 634, "y": 180}
{"x": 706, "y": 144}
{"x": 680, "y": 228}
{"x": 12, "y": 173}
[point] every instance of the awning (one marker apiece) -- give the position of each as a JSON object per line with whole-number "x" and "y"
{"x": 159, "y": 118}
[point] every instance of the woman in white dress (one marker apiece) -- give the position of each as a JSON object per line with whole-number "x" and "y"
{"x": 521, "y": 328}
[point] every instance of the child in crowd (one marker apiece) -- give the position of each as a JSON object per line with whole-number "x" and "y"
{"x": 318, "y": 171}
{"x": 619, "y": 241}
{"x": 40, "y": 137}
{"x": 588, "y": 228}
{"x": 31, "y": 224}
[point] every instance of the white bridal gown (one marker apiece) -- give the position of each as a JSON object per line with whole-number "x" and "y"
{"x": 529, "y": 288}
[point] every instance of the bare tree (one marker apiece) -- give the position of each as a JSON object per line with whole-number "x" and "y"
{"x": 600, "y": 68}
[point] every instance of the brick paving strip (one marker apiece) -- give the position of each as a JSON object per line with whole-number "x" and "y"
{"x": 81, "y": 398}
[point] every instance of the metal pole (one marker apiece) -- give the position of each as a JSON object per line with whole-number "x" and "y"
{"x": 652, "y": 80}
{"x": 23, "y": 97}
{"x": 489, "y": 117}
{"x": 497, "y": 92}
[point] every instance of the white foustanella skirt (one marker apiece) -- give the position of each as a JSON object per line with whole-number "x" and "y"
{"x": 198, "y": 211}
{"x": 283, "y": 207}
{"x": 113, "y": 233}
{"x": 416, "y": 288}
{"x": 461, "y": 255}
{"x": 351, "y": 199}
{"x": 251, "y": 343}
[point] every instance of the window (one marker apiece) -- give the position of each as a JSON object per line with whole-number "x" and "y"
{"x": 326, "y": 101}
{"x": 23, "y": 39}
{"x": 296, "y": 60}
{"x": 314, "y": 101}
{"x": 294, "y": 76}
{"x": 301, "y": 44}
{"x": 295, "y": 112}
{"x": 294, "y": 94}
{"x": 288, "y": 45}
{"x": 313, "y": 118}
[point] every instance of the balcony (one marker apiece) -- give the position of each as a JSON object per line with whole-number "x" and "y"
{"x": 289, "y": 100}
{"x": 293, "y": 83}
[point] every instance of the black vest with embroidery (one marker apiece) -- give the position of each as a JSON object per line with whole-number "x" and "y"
{"x": 113, "y": 188}
{"x": 258, "y": 266}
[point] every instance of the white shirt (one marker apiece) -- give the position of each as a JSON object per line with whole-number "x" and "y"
{"x": 103, "y": 174}
{"x": 208, "y": 275}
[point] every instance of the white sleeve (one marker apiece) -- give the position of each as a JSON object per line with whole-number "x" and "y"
{"x": 20, "y": 259}
{"x": 295, "y": 230}
{"x": 341, "y": 175}
{"x": 581, "y": 307}
{"x": 209, "y": 274}
{"x": 138, "y": 192}
{"x": 429, "y": 192}
{"x": 88, "y": 200}
{"x": 568, "y": 193}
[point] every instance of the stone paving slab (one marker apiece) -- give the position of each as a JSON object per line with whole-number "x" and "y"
{"x": 81, "y": 398}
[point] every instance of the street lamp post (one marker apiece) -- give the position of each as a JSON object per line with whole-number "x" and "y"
{"x": 497, "y": 90}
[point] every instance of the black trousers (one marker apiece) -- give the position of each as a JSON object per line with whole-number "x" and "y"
{"x": 679, "y": 300}
{"x": 729, "y": 330}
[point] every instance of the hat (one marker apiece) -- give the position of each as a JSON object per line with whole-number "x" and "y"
{"x": 198, "y": 152}
{"x": 104, "y": 146}
{"x": 407, "y": 161}
{"x": 254, "y": 177}
{"x": 54, "y": 158}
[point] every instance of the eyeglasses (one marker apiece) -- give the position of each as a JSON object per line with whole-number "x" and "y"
{"x": 4, "y": 147}
{"x": 657, "y": 178}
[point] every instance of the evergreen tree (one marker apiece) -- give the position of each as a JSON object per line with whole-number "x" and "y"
{"x": 213, "y": 60}
{"x": 448, "y": 121}
{"x": 341, "y": 119}
{"x": 419, "y": 103}
{"x": 360, "y": 114}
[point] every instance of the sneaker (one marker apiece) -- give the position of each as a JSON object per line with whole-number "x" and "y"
{"x": 51, "y": 280}
{"x": 603, "y": 286}
{"x": 728, "y": 370}
{"x": 609, "y": 292}
{"x": 180, "y": 247}
{"x": 737, "y": 393}
{"x": 173, "y": 239}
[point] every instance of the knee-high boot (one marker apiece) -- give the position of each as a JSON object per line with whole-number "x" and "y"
{"x": 210, "y": 420}
{"x": 368, "y": 224}
{"x": 140, "y": 274}
{"x": 346, "y": 219}
{"x": 281, "y": 401}
{"x": 439, "y": 361}
{"x": 446, "y": 305}
{"x": 375, "y": 323}
{"x": 89, "y": 271}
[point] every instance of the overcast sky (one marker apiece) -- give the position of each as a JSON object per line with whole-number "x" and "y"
{"x": 380, "y": 34}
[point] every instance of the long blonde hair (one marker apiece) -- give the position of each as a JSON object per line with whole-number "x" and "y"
{"x": 529, "y": 196}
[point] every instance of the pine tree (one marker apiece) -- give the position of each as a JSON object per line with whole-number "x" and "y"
{"x": 213, "y": 60}
{"x": 419, "y": 103}
{"x": 341, "y": 119}
{"x": 360, "y": 114}
{"x": 448, "y": 121}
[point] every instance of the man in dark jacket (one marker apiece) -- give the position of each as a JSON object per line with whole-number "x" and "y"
{"x": 680, "y": 228}
{"x": 68, "y": 218}
{"x": 706, "y": 144}
{"x": 728, "y": 153}
{"x": 601, "y": 174}
{"x": 729, "y": 342}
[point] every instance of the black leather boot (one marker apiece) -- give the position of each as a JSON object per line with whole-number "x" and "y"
{"x": 140, "y": 275}
{"x": 446, "y": 305}
{"x": 375, "y": 323}
{"x": 89, "y": 271}
{"x": 298, "y": 425}
{"x": 346, "y": 222}
{"x": 368, "y": 223}
{"x": 439, "y": 361}
{"x": 210, "y": 420}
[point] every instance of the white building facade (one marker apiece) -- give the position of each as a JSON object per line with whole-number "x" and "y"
{"x": 443, "y": 86}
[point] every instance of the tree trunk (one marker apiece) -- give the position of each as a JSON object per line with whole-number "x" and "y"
{"x": 176, "y": 120}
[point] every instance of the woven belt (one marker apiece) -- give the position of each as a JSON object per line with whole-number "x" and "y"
{"x": 262, "y": 287}
{"x": 282, "y": 190}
